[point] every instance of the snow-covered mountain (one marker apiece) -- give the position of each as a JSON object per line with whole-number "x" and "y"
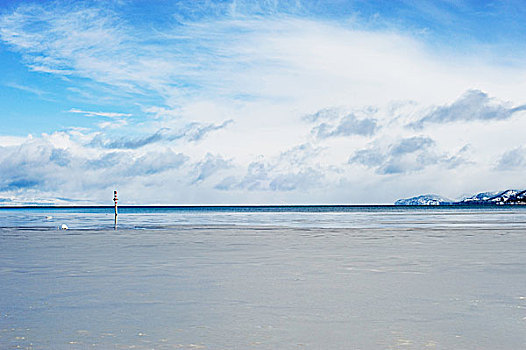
{"x": 504, "y": 197}
{"x": 483, "y": 198}
{"x": 426, "y": 199}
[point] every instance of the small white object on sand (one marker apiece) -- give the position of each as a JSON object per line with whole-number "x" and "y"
{"x": 64, "y": 227}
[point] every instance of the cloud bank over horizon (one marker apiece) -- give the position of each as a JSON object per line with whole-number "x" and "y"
{"x": 247, "y": 102}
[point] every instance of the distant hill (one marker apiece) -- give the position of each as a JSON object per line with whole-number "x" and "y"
{"x": 508, "y": 197}
{"x": 426, "y": 199}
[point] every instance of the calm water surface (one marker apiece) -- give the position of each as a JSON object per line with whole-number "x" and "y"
{"x": 263, "y": 278}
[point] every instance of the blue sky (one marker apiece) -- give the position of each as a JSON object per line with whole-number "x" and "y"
{"x": 259, "y": 102}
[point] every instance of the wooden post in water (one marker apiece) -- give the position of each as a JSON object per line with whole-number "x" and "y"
{"x": 115, "y": 199}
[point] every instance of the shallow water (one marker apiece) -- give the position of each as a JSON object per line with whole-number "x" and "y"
{"x": 382, "y": 278}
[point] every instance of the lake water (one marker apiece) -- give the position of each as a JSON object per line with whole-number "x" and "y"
{"x": 263, "y": 278}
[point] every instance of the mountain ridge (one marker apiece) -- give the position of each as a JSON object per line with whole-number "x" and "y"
{"x": 506, "y": 197}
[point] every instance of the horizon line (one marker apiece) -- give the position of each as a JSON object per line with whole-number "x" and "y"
{"x": 191, "y": 206}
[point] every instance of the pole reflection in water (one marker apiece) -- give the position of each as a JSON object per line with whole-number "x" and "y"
{"x": 115, "y": 199}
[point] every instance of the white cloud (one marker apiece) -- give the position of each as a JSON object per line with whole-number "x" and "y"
{"x": 31, "y": 89}
{"x": 114, "y": 124}
{"x": 514, "y": 159}
{"x": 192, "y": 132}
{"x": 208, "y": 166}
{"x": 348, "y": 125}
{"x": 472, "y": 105}
{"x": 407, "y": 155}
{"x": 99, "y": 114}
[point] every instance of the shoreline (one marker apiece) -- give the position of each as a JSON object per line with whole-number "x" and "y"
{"x": 264, "y": 206}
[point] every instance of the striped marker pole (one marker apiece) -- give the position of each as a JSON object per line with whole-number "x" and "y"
{"x": 115, "y": 199}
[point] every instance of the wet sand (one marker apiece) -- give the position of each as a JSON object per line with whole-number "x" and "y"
{"x": 248, "y": 287}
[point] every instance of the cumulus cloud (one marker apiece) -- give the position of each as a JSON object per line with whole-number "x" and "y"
{"x": 127, "y": 164}
{"x": 208, "y": 166}
{"x": 156, "y": 162}
{"x": 20, "y": 183}
{"x": 288, "y": 171}
{"x": 299, "y": 155}
{"x": 105, "y": 161}
{"x": 371, "y": 157}
{"x": 59, "y": 167}
{"x": 472, "y": 105}
{"x": 406, "y": 155}
{"x": 329, "y": 113}
{"x": 332, "y": 122}
{"x": 127, "y": 142}
{"x": 410, "y": 145}
{"x": 304, "y": 179}
{"x": 347, "y": 126}
{"x": 196, "y": 131}
{"x": 256, "y": 178}
{"x": 512, "y": 159}
{"x": 61, "y": 157}
{"x": 261, "y": 177}
{"x": 114, "y": 124}
{"x": 191, "y": 132}
{"x": 24, "y": 166}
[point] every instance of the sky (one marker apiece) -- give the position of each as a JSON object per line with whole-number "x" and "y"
{"x": 260, "y": 102}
